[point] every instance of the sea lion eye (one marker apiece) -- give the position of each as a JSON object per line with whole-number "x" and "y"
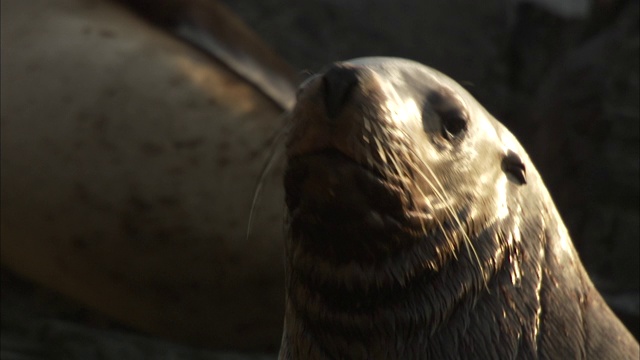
{"x": 453, "y": 123}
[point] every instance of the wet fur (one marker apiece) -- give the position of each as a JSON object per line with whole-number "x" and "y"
{"x": 408, "y": 242}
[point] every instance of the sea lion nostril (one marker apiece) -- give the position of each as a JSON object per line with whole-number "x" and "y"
{"x": 338, "y": 82}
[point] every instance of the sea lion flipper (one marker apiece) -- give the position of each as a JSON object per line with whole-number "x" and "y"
{"x": 216, "y": 30}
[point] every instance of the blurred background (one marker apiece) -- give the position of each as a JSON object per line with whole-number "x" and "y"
{"x": 134, "y": 133}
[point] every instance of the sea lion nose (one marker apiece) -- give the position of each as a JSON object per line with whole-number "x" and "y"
{"x": 338, "y": 83}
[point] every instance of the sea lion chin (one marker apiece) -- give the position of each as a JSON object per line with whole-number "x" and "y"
{"x": 419, "y": 228}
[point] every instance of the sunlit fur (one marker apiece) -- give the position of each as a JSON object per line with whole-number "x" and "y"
{"x": 478, "y": 266}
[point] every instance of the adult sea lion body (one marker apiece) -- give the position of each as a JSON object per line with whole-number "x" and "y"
{"x": 128, "y": 158}
{"x": 418, "y": 228}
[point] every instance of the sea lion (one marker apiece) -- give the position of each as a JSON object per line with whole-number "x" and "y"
{"x": 128, "y": 162}
{"x": 418, "y": 228}
{"x": 216, "y": 30}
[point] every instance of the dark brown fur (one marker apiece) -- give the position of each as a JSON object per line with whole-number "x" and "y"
{"x": 419, "y": 229}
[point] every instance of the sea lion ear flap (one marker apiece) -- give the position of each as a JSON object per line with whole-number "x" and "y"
{"x": 513, "y": 166}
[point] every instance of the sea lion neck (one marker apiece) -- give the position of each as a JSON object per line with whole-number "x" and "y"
{"x": 393, "y": 300}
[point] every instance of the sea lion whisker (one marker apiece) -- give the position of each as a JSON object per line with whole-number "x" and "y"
{"x": 380, "y": 149}
{"x": 449, "y": 238}
{"x": 408, "y": 171}
{"x": 438, "y": 189}
{"x": 276, "y": 152}
{"x": 440, "y": 192}
{"x": 403, "y": 169}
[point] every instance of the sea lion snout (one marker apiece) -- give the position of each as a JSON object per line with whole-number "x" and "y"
{"x": 335, "y": 110}
{"x": 338, "y": 83}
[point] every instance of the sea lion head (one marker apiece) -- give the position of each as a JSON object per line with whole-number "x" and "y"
{"x": 383, "y": 152}
{"x": 419, "y": 228}
{"x": 403, "y": 202}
